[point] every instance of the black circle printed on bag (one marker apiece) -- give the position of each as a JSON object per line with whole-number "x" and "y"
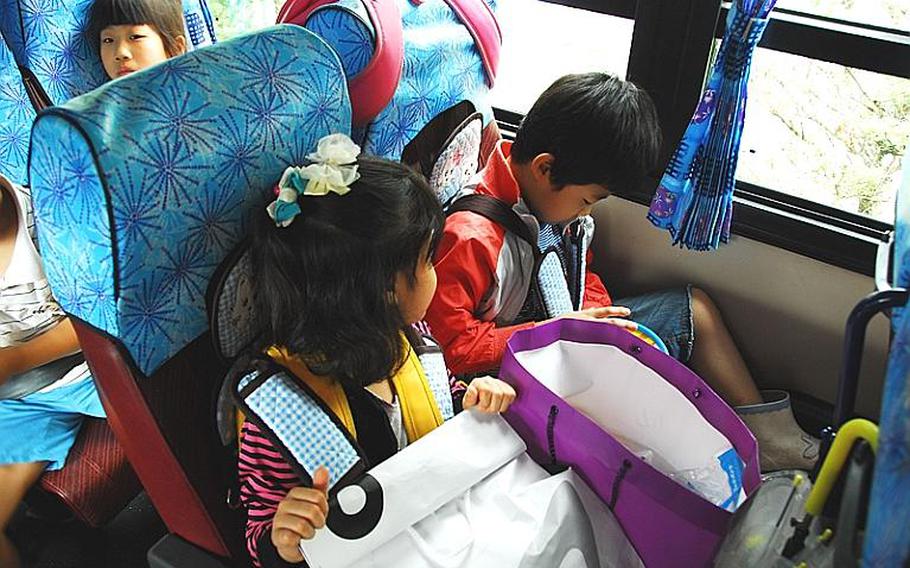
{"x": 361, "y": 523}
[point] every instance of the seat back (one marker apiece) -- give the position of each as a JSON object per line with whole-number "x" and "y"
{"x": 47, "y": 38}
{"x": 141, "y": 188}
{"x": 441, "y": 69}
{"x": 442, "y": 63}
{"x": 97, "y": 481}
{"x": 16, "y": 116}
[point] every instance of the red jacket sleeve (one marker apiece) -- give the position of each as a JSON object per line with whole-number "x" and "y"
{"x": 466, "y": 270}
{"x": 596, "y": 295}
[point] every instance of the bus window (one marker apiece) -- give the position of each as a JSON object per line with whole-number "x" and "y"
{"x": 536, "y": 50}
{"x": 885, "y": 13}
{"x": 235, "y": 17}
{"x": 825, "y": 132}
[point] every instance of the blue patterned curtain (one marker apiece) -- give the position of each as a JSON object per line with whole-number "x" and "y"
{"x": 694, "y": 200}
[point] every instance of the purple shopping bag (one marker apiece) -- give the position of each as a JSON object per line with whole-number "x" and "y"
{"x": 603, "y": 371}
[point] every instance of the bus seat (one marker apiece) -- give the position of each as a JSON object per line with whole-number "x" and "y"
{"x": 346, "y": 27}
{"x": 16, "y": 116}
{"x": 888, "y": 501}
{"x": 141, "y": 188}
{"x": 48, "y": 42}
{"x": 448, "y": 150}
{"x": 440, "y": 70}
{"x": 442, "y": 67}
{"x": 97, "y": 481}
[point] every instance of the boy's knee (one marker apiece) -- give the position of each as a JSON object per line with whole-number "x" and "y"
{"x": 700, "y": 298}
{"x": 704, "y": 311}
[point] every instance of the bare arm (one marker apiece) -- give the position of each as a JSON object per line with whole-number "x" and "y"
{"x": 51, "y": 345}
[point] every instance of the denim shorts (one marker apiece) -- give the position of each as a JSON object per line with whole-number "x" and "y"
{"x": 669, "y": 314}
{"x": 46, "y": 424}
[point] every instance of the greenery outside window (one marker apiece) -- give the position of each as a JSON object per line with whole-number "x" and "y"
{"x": 884, "y": 13}
{"x": 825, "y": 132}
{"x": 235, "y": 17}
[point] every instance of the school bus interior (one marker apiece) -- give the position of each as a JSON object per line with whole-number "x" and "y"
{"x": 828, "y": 127}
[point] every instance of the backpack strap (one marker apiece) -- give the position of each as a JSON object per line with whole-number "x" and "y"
{"x": 552, "y": 285}
{"x": 548, "y": 279}
{"x": 372, "y": 88}
{"x": 308, "y": 435}
{"x": 422, "y": 383}
{"x": 497, "y": 211}
{"x": 300, "y": 425}
{"x": 431, "y": 358}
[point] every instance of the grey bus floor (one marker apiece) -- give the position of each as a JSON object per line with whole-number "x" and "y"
{"x": 46, "y": 538}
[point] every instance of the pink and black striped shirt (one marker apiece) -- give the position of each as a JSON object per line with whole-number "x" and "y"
{"x": 266, "y": 477}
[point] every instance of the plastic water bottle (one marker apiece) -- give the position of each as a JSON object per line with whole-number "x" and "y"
{"x": 720, "y": 482}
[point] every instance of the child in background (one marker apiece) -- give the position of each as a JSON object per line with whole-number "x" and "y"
{"x": 44, "y": 412}
{"x": 47, "y": 415}
{"x": 585, "y": 137}
{"x": 344, "y": 271}
{"x": 132, "y": 35}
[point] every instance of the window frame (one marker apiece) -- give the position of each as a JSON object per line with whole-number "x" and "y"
{"x": 670, "y": 54}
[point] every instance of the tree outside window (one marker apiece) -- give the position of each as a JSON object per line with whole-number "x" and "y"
{"x": 235, "y": 17}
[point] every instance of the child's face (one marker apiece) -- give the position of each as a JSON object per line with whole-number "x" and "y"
{"x": 129, "y": 48}
{"x": 414, "y": 298}
{"x": 552, "y": 203}
{"x": 569, "y": 202}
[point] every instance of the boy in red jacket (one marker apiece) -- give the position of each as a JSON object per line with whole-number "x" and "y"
{"x": 586, "y": 136}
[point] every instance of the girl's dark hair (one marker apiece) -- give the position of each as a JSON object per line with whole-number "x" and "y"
{"x": 599, "y": 129}
{"x": 166, "y": 16}
{"x": 326, "y": 282}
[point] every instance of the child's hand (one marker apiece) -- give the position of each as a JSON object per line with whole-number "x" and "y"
{"x": 300, "y": 514}
{"x": 488, "y": 395}
{"x": 608, "y": 314}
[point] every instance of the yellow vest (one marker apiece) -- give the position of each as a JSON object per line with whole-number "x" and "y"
{"x": 419, "y": 410}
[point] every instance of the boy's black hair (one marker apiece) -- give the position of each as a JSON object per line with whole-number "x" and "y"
{"x": 166, "y": 16}
{"x": 599, "y": 128}
{"x": 326, "y": 282}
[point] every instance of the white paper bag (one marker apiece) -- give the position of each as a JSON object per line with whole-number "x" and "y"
{"x": 415, "y": 482}
{"x": 517, "y": 516}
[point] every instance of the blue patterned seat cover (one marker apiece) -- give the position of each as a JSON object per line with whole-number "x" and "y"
{"x": 142, "y": 186}
{"x": 345, "y": 25}
{"x": 441, "y": 67}
{"x": 16, "y": 116}
{"x": 48, "y": 38}
{"x": 888, "y": 543}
